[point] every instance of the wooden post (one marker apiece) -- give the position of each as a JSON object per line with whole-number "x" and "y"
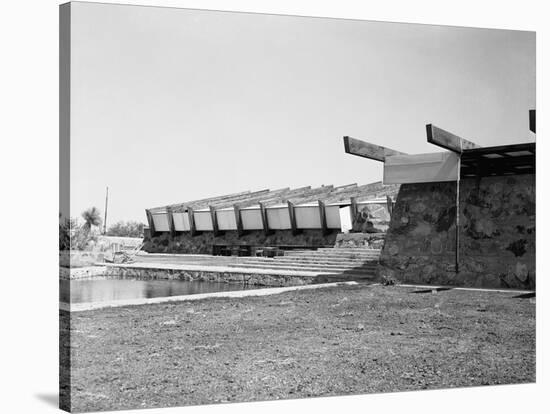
{"x": 292, "y": 216}
{"x": 238, "y": 220}
{"x": 171, "y": 226}
{"x": 192, "y": 227}
{"x": 389, "y": 203}
{"x": 323, "y": 217}
{"x": 457, "y": 223}
{"x": 151, "y": 223}
{"x": 214, "y": 219}
{"x": 265, "y": 222}
{"x": 353, "y": 210}
{"x": 533, "y": 120}
{"x": 106, "y": 205}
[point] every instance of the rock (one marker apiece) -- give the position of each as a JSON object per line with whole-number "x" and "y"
{"x": 521, "y": 272}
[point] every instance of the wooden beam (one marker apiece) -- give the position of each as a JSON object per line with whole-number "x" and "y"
{"x": 445, "y": 139}
{"x": 171, "y": 226}
{"x": 323, "y": 217}
{"x": 364, "y": 149}
{"x": 265, "y": 222}
{"x": 192, "y": 227}
{"x": 151, "y": 223}
{"x": 292, "y": 215}
{"x": 238, "y": 220}
{"x": 533, "y": 120}
{"x": 214, "y": 220}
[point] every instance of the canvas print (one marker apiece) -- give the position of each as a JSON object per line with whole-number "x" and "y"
{"x": 257, "y": 207}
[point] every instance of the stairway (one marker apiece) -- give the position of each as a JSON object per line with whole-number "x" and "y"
{"x": 342, "y": 264}
{"x": 334, "y": 264}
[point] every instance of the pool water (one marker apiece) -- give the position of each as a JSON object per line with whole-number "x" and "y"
{"x": 104, "y": 290}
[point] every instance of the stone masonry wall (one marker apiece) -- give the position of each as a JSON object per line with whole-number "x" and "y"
{"x": 497, "y": 233}
{"x": 202, "y": 243}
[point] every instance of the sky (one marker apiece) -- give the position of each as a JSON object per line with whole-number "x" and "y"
{"x": 171, "y": 105}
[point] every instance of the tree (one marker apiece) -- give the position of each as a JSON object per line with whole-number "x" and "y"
{"x": 92, "y": 218}
{"x": 126, "y": 229}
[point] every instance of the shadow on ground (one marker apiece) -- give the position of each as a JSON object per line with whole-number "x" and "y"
{"x": 50, "y": 399}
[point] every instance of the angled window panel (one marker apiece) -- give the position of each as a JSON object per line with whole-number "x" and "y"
{"x": 333, "y": 217}
{"x": 278, "y": 218}
{"x": 307, "y": 217}
{"x": 181, "y": 221}
{"x": 203, "y": 221}
{"x": 421, "y": 168}
{"x": 252, "y": 219}
{"x": 226, "y": 219}
{"x": 161, "y": 222}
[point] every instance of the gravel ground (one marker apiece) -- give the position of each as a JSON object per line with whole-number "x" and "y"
{"x": 334, "y": 341}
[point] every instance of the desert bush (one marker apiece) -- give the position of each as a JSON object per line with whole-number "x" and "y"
{"x": 126, "y": 229}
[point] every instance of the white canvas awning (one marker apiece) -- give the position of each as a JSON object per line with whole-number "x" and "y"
{"x": 421, "y": 168}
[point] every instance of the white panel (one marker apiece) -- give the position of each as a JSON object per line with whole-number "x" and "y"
{"x": 344, "y": 214}
{"x": 226, "y": 219}
{"x": 181, "y": 221}
{"x": 252, "y": 219}
{"x": 161, "y": 222}
{"x": 421, "y": 168}
{"x": 333, "y": 217}
{"x": 307, "y": 217}
{"x": 203, "y": 221}
{"x": 278, "y": 218}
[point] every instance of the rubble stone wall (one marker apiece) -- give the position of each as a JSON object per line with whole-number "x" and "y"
{"x": 202, "y": 243}
{"x": 496, "y": 233}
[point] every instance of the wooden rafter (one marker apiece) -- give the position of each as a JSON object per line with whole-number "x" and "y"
{"x": 447, "y": 140}
{"x": 238, "y": 220}
{"x": 364, "y": 149}
{"x": 151, "y": 222}
{"x": 170, "y": 218}
{"x": 323, "y": 217}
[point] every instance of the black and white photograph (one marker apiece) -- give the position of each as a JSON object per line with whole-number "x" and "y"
{"x": 259, "y": 207}
{"x": 273, "y": 206}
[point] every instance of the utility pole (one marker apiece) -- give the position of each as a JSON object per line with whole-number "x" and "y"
{"x": 106, "y": 201}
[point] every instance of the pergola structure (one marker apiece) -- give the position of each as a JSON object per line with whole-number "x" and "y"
{"x": 270, "y": 210}
{"x": 462, "y": 159}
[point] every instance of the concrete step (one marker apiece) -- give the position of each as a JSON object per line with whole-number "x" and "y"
{"x": 297, "y": 267}
{"x": 334, "y": 253}
{"x": 307, "y": 268}
{"x": 344, "y": 263}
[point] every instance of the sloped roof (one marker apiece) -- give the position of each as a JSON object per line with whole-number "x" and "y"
{"x": 328, "y": 194}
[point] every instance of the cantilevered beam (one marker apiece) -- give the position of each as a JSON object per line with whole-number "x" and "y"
{"x": 171, "y": 226}
{"x": 323, "y": 217}
{"x": 192, "y": 226}
{"x": 238, "y": 220}
{"x": 292, "y": 215}
{"x": 265, "y": 223}
{"x": 445, "y": 139}
{"x": 151, "y": 222}
{"x": 364, "y": 149}
{"x": 214, "y": 218}
{"x": 533, "y": 120}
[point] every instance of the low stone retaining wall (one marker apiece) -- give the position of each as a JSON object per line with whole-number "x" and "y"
{"x": 67, "y": 273}
{"x": 366, "y": 240}
{"x": 252, "y": 278}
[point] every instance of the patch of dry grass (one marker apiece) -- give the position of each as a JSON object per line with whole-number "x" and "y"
{"x": 345, "y": 340}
